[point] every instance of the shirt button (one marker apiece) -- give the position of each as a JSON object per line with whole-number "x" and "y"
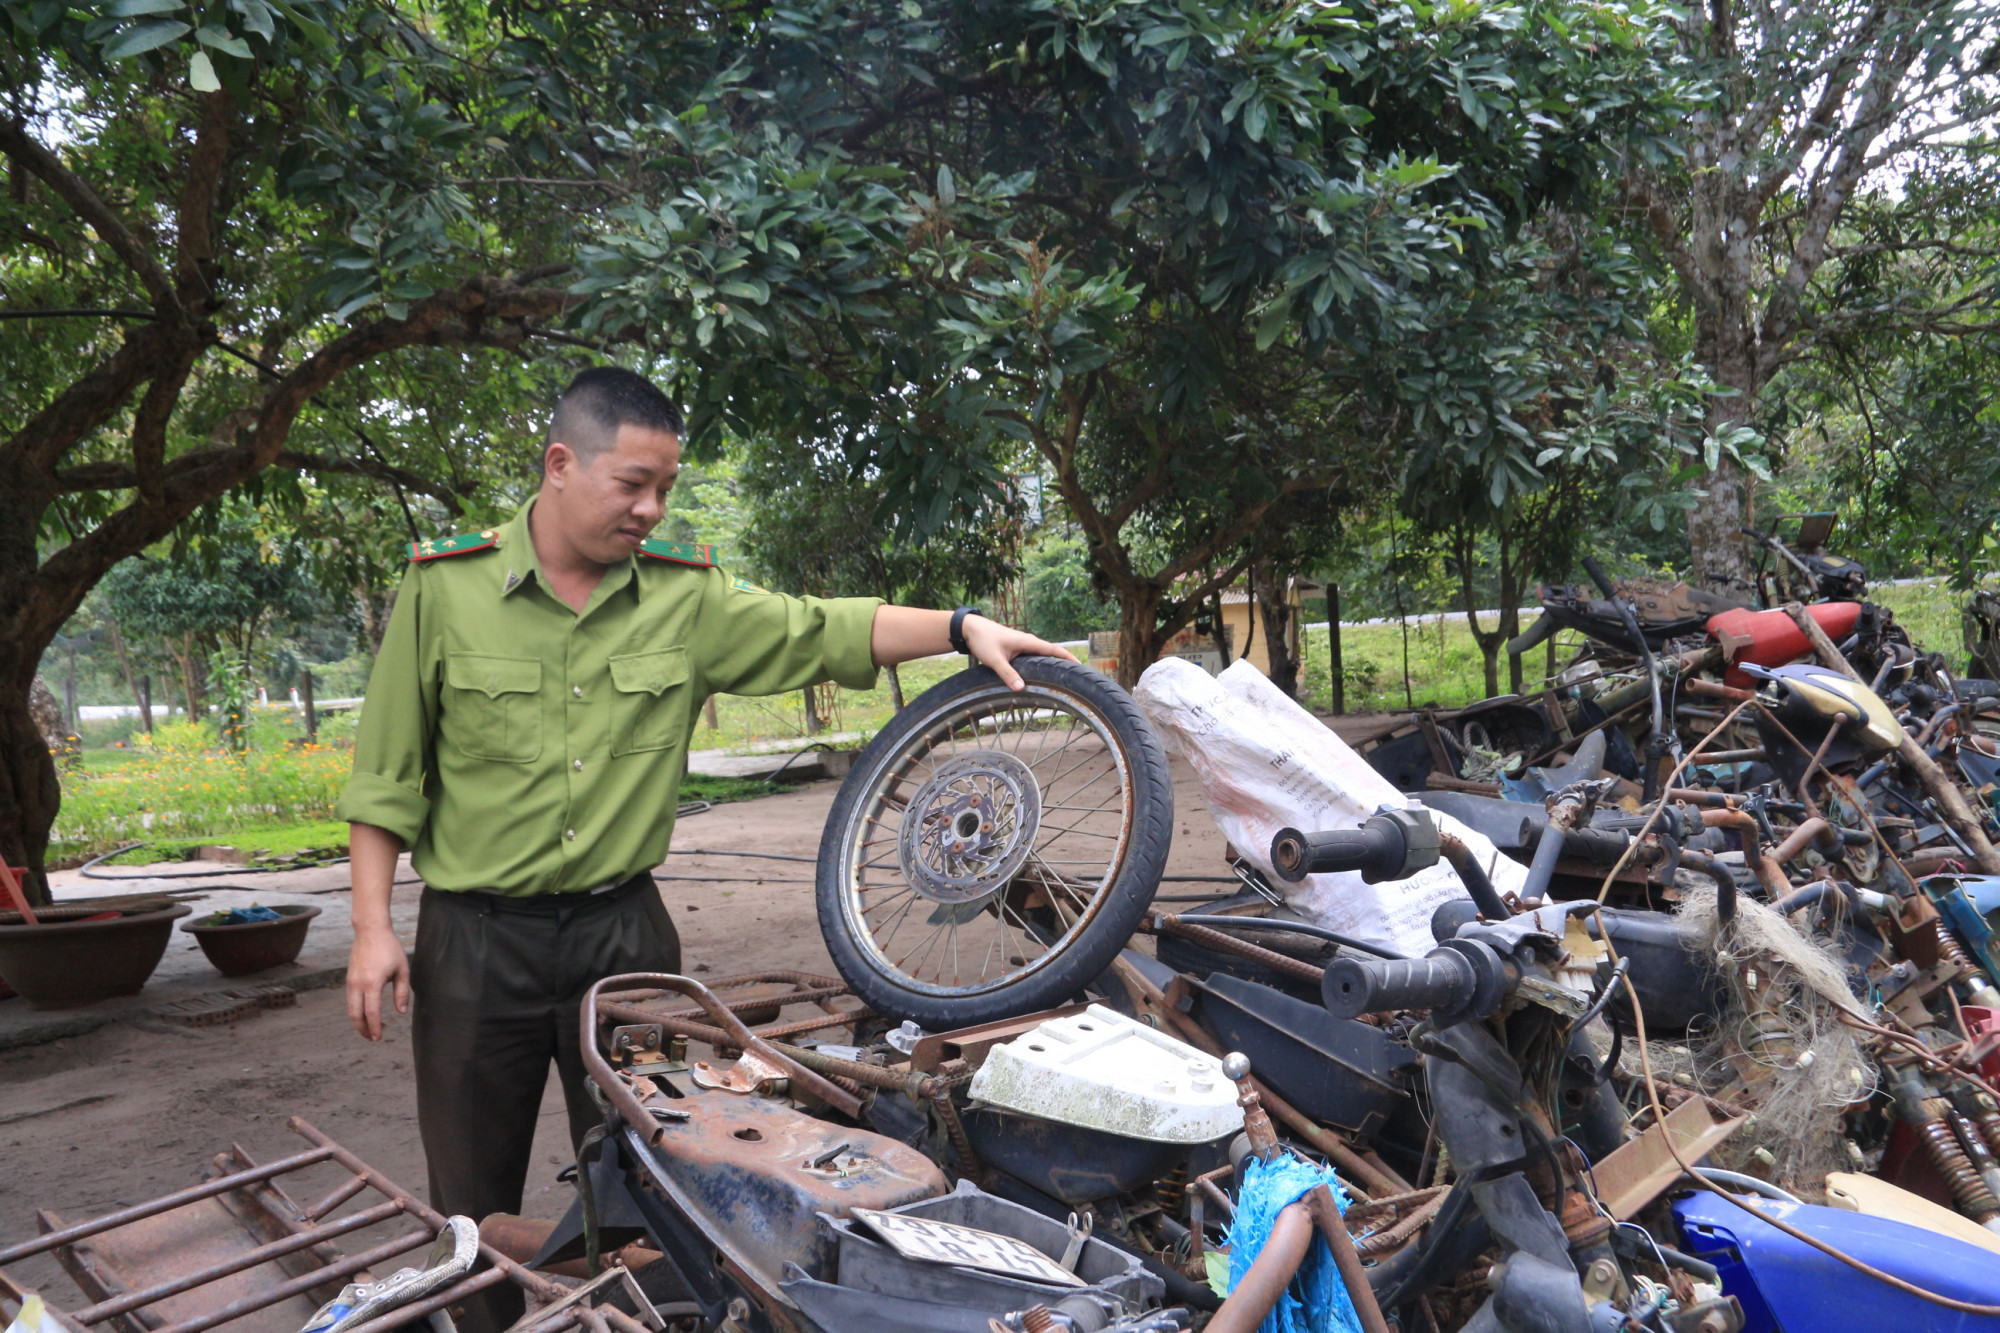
{"x": 570, "y": 834}
{"x": 577, "y": 765}
{"x": 577, "y": 690}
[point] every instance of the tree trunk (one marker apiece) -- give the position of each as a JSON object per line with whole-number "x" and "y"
{"x": 1465, "y": 554}
{"x": 1138, "y": 631}
{"x": 895, "y": 687}
{"x": 1274, "y": 609}
{"x": 814, "y": 726}
{"x": 30, "y": 792}
{"x": 131, "y": 684}
{"x": 1336, "y": 669}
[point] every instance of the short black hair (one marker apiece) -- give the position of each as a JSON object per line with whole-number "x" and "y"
{"x": 600, "y": 400}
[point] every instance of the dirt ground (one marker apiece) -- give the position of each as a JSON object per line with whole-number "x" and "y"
{"x": 123, "y": 1114}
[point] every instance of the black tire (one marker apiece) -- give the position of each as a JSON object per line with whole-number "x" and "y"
{"x": 1060, "y": 697}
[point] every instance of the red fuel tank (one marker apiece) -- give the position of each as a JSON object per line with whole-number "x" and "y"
{"x": 1770, "y": 638}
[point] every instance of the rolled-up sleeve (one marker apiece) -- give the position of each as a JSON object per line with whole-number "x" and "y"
{"x": 755, "y": 642}
{"x": 393, "y": 751}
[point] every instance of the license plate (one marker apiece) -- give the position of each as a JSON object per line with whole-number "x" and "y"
{"x": 966, "y": 1247}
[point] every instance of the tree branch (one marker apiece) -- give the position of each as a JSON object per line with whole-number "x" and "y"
{"x": 93, "y": 399}
{"x": 89, "y": 206}
{"x": 444, "y": 494}
{"x": 481, "y": 313}
{"x": 195, "y": 219}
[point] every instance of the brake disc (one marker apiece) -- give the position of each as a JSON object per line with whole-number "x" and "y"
{"x": 969, "y": 829}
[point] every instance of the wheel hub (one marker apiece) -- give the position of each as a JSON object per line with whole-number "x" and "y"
{"x": 968, "y": 830}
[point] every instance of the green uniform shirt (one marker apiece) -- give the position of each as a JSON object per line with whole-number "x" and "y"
{"x": 520, "y": 747}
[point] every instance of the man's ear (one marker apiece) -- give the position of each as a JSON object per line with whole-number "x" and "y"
{"x": 558, "y": 464}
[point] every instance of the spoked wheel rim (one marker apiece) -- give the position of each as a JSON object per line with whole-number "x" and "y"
{"x": 988, "y": 840}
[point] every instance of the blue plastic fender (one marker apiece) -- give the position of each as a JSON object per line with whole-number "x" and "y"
{"x": 1786, "y": 1286}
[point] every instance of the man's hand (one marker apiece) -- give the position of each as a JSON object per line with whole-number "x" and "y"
{"x": 901, "y": 633}
{"x": 376, "y": 960}
{"x": 997, "y": 646}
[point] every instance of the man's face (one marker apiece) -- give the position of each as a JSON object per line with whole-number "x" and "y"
{"x": 604, "y": 510}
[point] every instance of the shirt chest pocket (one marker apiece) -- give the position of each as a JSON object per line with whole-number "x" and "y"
{"x": 493, "y": 707}
{"x": 650, "y": 692}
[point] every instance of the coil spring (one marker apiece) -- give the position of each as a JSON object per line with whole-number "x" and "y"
{"x": 1949, "y": 946}
{"x": 1171, "y": 1190}
{"x": 1974, "y": 1199}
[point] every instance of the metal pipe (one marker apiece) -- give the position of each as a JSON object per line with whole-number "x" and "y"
{"x": 1473, "y": 875}
{"x": 715, "y": 1036}
{"x": 741, "y": 1037}
{"x": 1272, "y": 1271}
{"x": 336, "y": 1197}
{"x": 1938, "y": 719}
{"x": 1290, "y": 928}
{"x": 404, "y": 1315}
{"x": 424, "y": 1213}
{"x": 1751, "y": 756}
{"x": 1768, "y": 870}
{"x": 1725, "y": 882}
{"x": 299, "y": 1285}
{"x": 1548, "y": 851}
{"x": 138, "y": 1212}
{"x": 1168, "y": 924}
{"x": 1812, "y": 895}
{"x": 1811, "y": 831}
{"x": 1326, "y": 1213}
{"x": 1381, "y": 1242}
{"x": 236, "y": 1263}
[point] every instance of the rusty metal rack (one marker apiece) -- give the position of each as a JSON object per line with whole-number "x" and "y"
{"x": 754, "y": 997}
{"x": 189, "y": 1284}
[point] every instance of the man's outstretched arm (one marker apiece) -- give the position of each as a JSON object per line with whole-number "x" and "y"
{"x": 901, "y": 633}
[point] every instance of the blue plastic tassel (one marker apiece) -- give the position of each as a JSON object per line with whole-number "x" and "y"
{"x": 1317, "y": 1300}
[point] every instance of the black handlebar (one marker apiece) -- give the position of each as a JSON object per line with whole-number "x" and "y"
{"x": 1294, "y": 854}
{"x": 1442, "y": 981}
{"x": 1391, "y": 844}
{"x": 1459, "y": 979}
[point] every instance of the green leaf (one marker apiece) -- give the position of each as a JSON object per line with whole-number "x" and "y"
{"x": 144, "y": 37}
{"x": 1272, "y": 322}
{"x": 201, "y": 74}
{"x": 946, "y": 187}
{"x": 131, "y": 9}
{"x": 210, "y": 34}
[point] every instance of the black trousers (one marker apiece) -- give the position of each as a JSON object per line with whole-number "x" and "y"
{"x": 498, "y": 984}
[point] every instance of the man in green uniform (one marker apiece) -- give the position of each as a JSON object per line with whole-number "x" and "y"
{"x": 525, "y": 732}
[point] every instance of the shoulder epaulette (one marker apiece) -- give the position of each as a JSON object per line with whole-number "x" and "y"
{"x": 745, "y": 585}
{"x": 459, "y": 545}
{"x": 681, "y": 553}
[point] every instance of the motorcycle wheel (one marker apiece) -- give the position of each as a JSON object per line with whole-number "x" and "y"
{"x": 992, "y": 850}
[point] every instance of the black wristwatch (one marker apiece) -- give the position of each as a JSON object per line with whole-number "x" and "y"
{"x": 957, "y": 631}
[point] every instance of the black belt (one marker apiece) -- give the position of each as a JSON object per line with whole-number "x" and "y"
{"x": 553, "y": 904}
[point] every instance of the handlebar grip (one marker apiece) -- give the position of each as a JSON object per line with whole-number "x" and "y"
{"x": 1443, "y": 981}
{"x": 1294, "y": 855}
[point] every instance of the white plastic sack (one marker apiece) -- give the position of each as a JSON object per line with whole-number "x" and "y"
{"x": 1266, "y": 764}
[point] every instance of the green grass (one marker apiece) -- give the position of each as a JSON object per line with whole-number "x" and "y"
{"x": 313, "y": 840}
{"x": 747, "y": 721}
{"x": 719, "y": 791}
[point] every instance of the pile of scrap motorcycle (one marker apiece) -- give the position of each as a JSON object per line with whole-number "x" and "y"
{"x": 1697, "y": 1028}
{"x": 1720, "y": 1061}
